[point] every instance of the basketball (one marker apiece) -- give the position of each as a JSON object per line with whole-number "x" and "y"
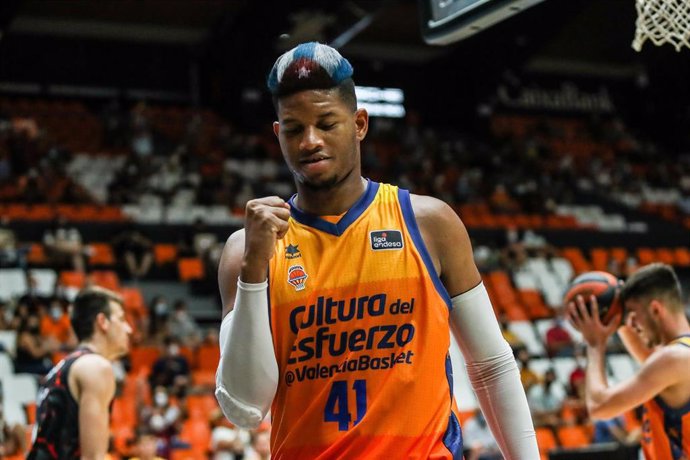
{"x": 604, "y": 286}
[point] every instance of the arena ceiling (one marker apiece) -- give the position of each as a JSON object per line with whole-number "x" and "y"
{"x": 387, "y": 30}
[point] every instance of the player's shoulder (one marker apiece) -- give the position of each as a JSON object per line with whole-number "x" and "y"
{"x": 92, "y": 365}
{"x": 428, "y": 206}
{"x": 673, "y": 358}
{"x": 433, "y": 213}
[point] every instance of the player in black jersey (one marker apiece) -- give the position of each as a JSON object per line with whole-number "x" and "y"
{"x": 72, "y": 421}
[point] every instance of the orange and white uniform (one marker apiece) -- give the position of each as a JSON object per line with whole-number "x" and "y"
{"x": 666, "y": 430}
{"x": 360, "y": 324}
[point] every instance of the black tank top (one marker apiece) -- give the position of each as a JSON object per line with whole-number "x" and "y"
{"x": 57, "y": 415}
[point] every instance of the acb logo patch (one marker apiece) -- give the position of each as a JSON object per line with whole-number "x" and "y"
{"x": 297, "y": 277}
{"x": 382, "y": 240}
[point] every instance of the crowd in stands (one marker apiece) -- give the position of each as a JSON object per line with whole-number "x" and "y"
{"x": 514, "y": 179}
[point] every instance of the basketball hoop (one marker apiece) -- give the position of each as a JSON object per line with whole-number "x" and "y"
{"x": 662, "y": 21}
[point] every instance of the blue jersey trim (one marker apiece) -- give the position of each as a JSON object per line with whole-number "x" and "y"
{"x": 411, "y": 223}
{"x": 350, "y": 216}
{"x": 452, "y": 438}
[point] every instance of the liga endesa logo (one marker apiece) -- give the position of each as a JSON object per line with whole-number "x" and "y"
{"x": 382, "y": 240}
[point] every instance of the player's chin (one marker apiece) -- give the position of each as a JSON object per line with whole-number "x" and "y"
{"x": 320, "y": 181}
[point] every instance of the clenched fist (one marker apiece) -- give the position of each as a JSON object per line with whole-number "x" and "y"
{"x": 265, "y": 221}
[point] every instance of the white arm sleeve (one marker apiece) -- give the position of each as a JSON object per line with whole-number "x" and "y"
{"x": 247, "y": 375}
{"x": 494, "y": 374}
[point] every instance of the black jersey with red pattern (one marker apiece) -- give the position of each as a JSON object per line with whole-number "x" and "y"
{"x": 56, "y": 435}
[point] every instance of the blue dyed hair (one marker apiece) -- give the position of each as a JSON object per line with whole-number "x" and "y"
{"x": 311, "y": 66}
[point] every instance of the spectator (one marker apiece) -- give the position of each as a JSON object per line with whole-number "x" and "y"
{"x": 10, "y": 255}
{"x": 33, "y": 351}
{"x": 513, "y": 340}
{"x": 478, "y": 441}
{"x": 614, "y": 430}
{"x": 5, "y": 319}
{"x": 227, "y": 441}
{"x": 57, "y": 326}
{"x": 558, "y": 340}
{"x": 146, "y": 446}
{"x": 135, "y": 252}
{"x": 260, "y": 448}
{"x": 527, "y": 376}
{"x": 546, "y": 400}
{"x": 12, "y": 438}
{"x": 162, "y": 419}
{"x": 159, "y": 311}
{"x": 21, "y": 314}
{"x": 575, "y": 401}
{"x": 183, "y": 326}
{"x": 64, "y": 247}
{"x": 171, "y": 370}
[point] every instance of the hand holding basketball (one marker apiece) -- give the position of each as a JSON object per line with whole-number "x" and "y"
{"x": 592, "y": 306}
{"x": 266, "y": 221}
{"x": 604, "y": 287}
{"x": 585, "y": 318}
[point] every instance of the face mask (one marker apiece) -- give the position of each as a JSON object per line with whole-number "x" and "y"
{"x": 34, "y": 330}
{"x": 160, "y": 399}
{"x": 161, "y": 308}
{"x": 55, "y": 313}
{"x": 174, "y": 350}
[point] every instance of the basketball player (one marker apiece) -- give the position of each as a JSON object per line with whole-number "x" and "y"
{"x": 657, "y": 334}
{"x": 72, "y": 420}
{"x": 337, "y": 303}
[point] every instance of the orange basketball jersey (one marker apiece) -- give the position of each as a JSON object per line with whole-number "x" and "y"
{"x": 360, "y": 328}
{"x": 666, "y": 430}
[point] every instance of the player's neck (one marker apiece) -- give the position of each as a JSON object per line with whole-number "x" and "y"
{"x": 676, "y": 326}
{"x": 96, "y": 345}
{"x": 332, "y": 201}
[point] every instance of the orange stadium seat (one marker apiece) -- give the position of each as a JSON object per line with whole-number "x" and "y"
{"x": 197, "y": 433}
{"x": 201, "y": 406}
{"x": 204, "y": 378}
{"x": 105, "y": 278}
{"x": 72, "y": 279}
{"x": 573, "y": 436}
{"x": 36, "y": 255}
{"x": 102, "y": 254}
{"x": 682, "y": 256}
{"x": 620, "y": 255}
{"x": 576, "y": 258}
{"x": 190, "y": 268}
{"x": 164, "y": 253}
{"x": 30, "y": 409}
{"x": 600, "y": 259}
{"x": 666, "y": 256}
{"x": 143, "y": 356}
{"x": 646, "y": 256}
{"x": 208, "y": 357}
{"x": 546, "y": 440}
{"x": 534, "y": 304}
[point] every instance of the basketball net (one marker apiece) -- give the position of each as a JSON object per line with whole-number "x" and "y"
{"x": 662, "y": 21}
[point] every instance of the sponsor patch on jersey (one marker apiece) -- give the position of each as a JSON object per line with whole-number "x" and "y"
{"x": 297, "y": 277}
{"x": 382, "y": 240}
{"x": 292, "y": 251}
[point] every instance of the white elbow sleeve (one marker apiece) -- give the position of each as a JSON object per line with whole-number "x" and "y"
{"x": 494, "y": 374}
{"x": 247, "y": 375}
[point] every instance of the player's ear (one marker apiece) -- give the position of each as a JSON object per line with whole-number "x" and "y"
{"x": 361, "y": 123}
{"x": 655, "y": 307}
{"x": 102, "y": 321}
{"x": 276, "y": 128}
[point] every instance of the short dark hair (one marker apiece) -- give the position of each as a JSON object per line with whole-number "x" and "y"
{"x": 345, "y": 90}
{"x": 652, "y": 281}
{"x": 88, "y": 304}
